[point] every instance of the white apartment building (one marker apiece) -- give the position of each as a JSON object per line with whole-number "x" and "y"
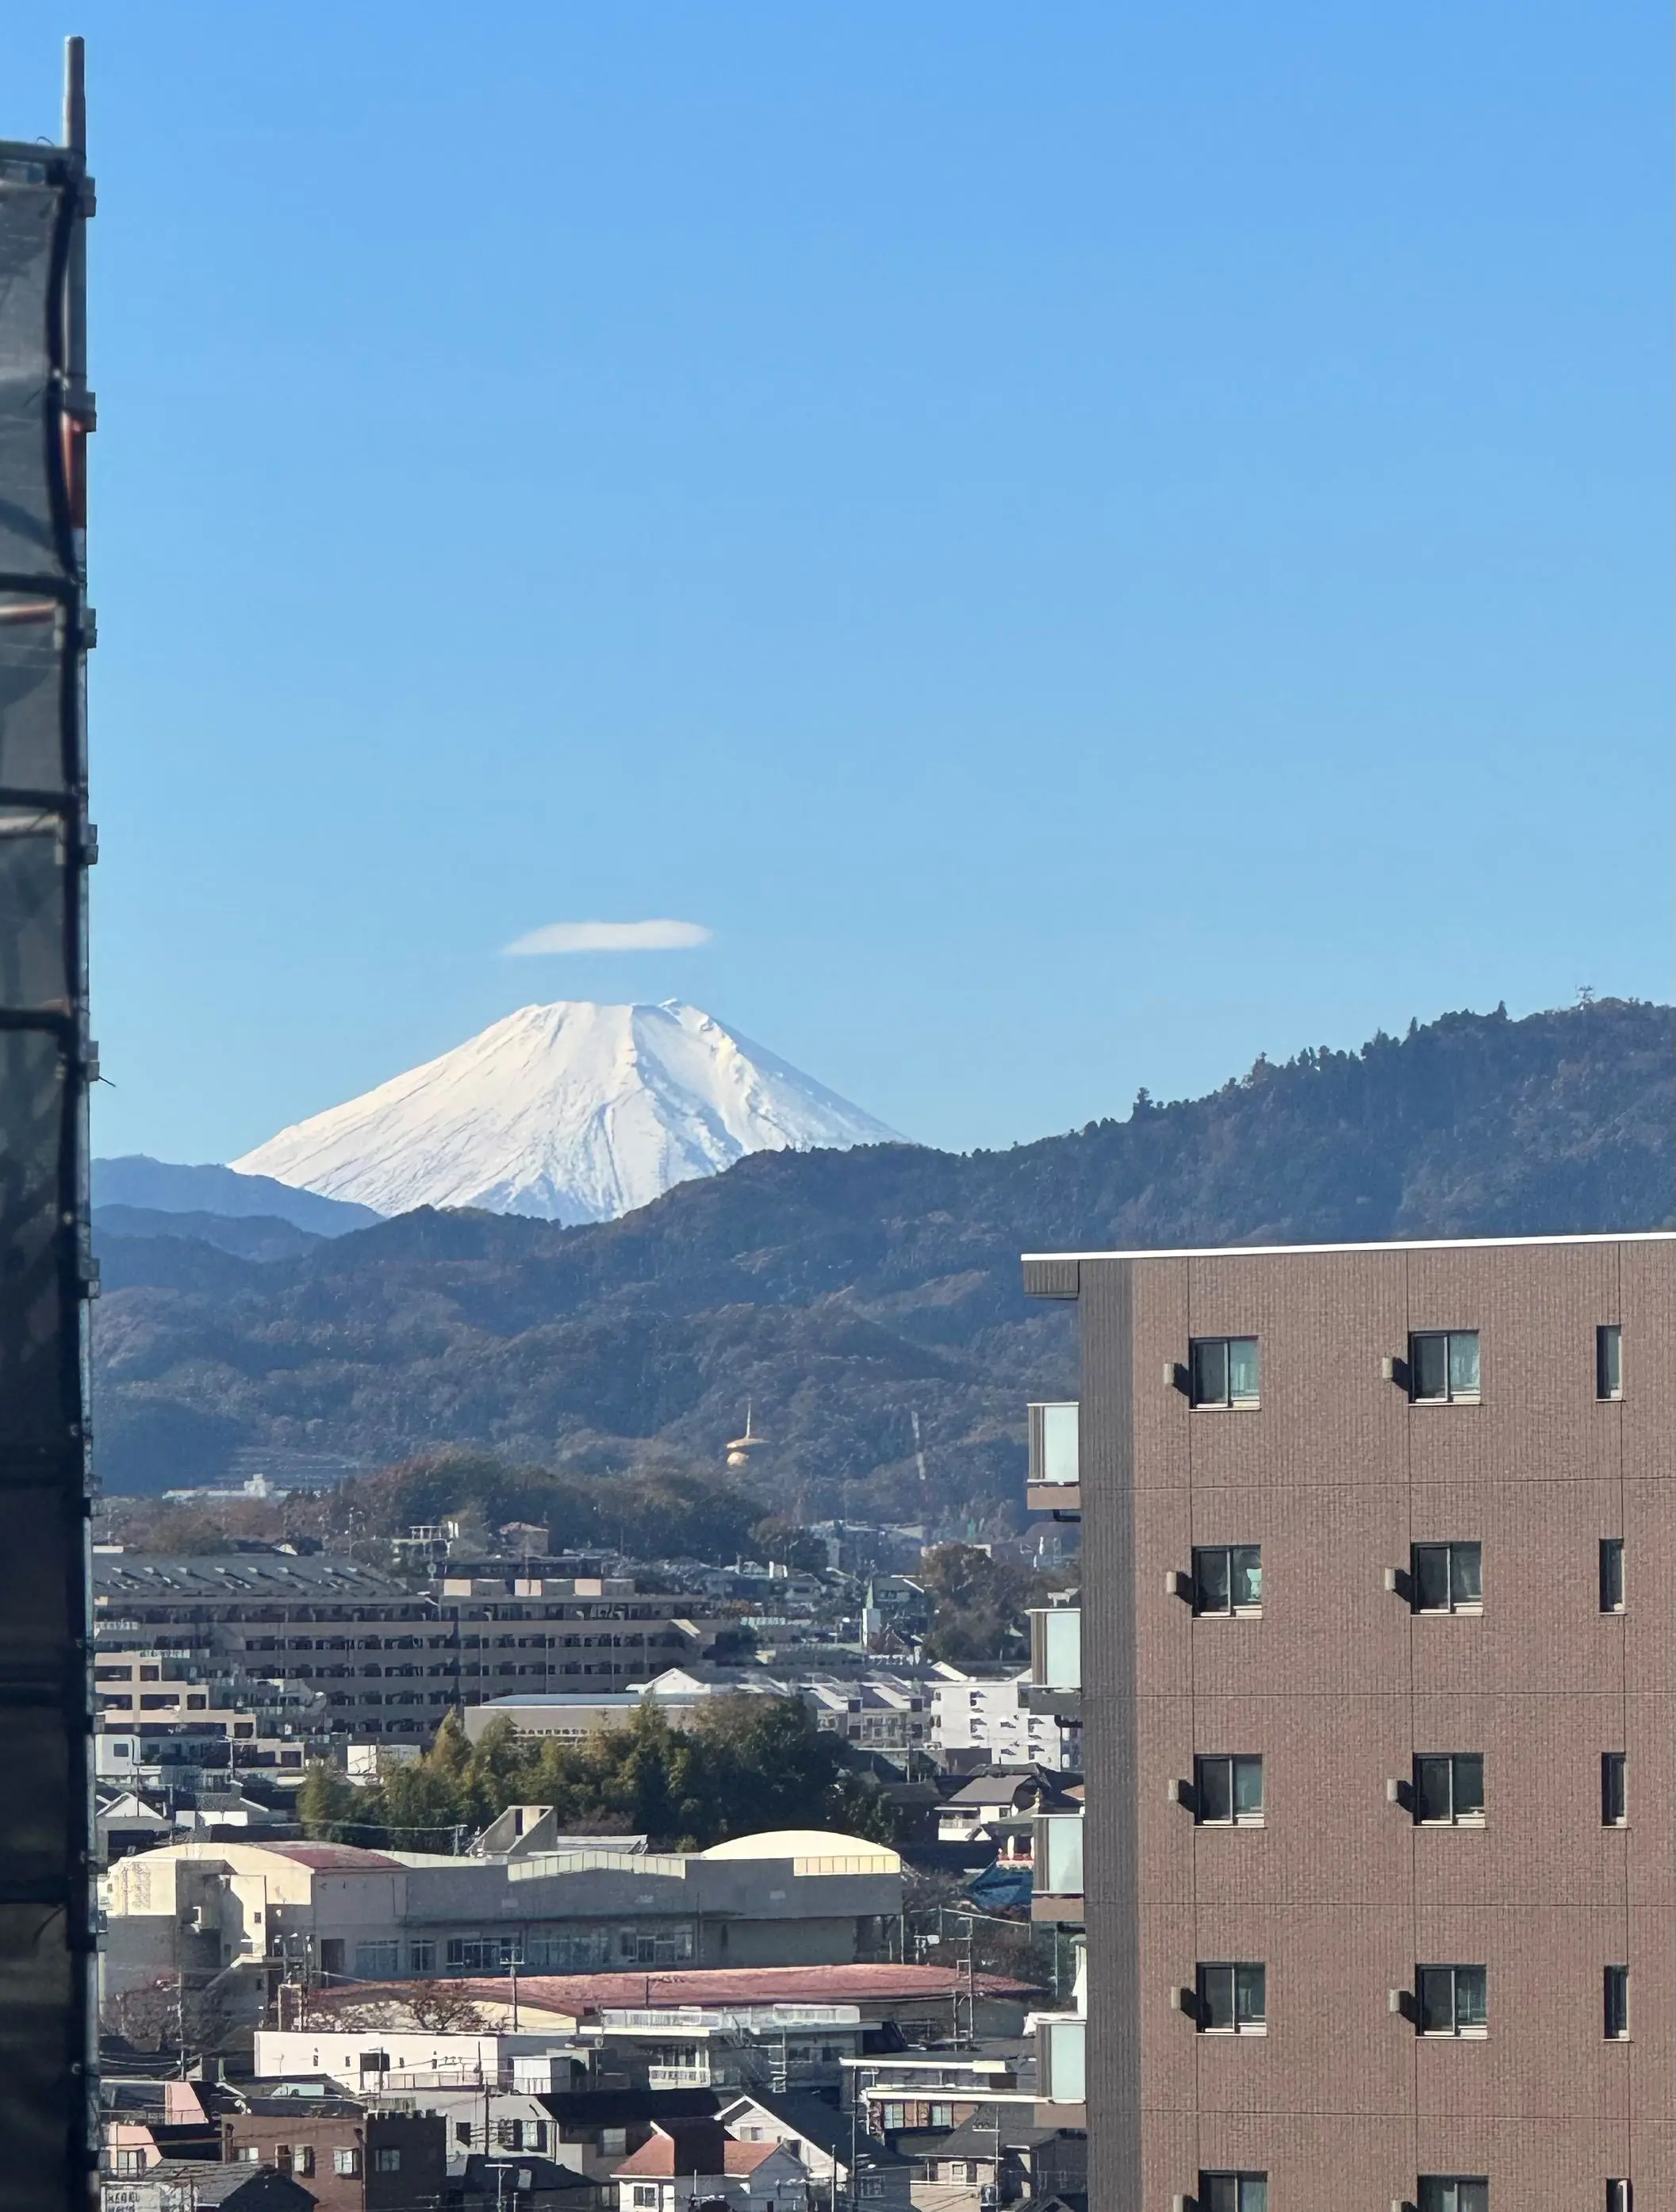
{"x": 977, "y": 1720}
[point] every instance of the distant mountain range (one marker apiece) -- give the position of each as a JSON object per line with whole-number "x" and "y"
{"x": 571, "y": 1112}
{"x": 135, "y": 1181}
{"x": 843, "y": 1292}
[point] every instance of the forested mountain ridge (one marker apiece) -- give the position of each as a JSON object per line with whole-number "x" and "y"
{"x": 843, "y": 1292}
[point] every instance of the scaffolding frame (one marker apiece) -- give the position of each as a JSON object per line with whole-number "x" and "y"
{"x": 48, "y": 2026}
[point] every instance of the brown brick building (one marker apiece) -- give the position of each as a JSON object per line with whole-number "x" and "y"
{"x": 1379, "y": 1693}
{"x": 352, "y": 2160}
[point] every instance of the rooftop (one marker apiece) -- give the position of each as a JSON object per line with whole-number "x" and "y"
{"x": 1415, "y": 1244}
{"x": 241, "y": 1574}
{"x": 694, "y": 2147}
{"x": 738, "y": 1987}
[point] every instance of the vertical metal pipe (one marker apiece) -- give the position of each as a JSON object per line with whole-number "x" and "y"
{"x": 75, "y": 94}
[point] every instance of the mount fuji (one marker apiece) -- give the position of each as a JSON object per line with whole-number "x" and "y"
{"x": 571, "y": 1112}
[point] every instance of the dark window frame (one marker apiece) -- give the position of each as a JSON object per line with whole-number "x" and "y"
{"x": 1210, "y": 1367}
{"x": 1241, "y": 2196}
{"x": 1614, "y": 1789}
{"x": 1253, "y": 1816}
{"x": 1457, "y": 1779}
{"x": 1420, "y": 1363}
{"x": 1446, "y": 1990}
{"x": 1231, "y": 1555}
{"x": 1609, "y": 1363}
{"x": 1458, "y": 1552}
{"x": 1431, "y": 2189}
{"x": 1612, "y": 1598}
{"x": 1615, "y": 1997}
{"x": 1247, "y": 1981}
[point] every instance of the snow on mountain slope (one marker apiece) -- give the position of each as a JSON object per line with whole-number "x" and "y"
{"x": 572, "y": 1112}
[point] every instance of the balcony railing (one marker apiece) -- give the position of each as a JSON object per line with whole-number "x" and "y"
{"x": 1054, "y": 1479}
{"x": 1060, "y": 2056}
{"x": 1056, "y": 1662}
{"x": 1058, "y": 1856}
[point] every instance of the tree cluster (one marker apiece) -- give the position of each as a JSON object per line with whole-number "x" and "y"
{"x": 743, "y": 1765}
{"x": 980, "y": 1604}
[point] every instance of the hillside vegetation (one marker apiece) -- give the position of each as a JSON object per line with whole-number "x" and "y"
{"x": 842, "y": 1292}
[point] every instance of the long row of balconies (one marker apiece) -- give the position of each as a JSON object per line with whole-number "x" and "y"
{"x": 1054, "y": 1487}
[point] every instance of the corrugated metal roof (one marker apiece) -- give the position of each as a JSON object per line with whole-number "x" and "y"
{"x": 241, "y": 1574}
{"x": 578, "y": 1994}
{"x": 332, "y": 1858}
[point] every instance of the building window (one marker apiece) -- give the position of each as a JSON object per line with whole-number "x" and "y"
{"x": 1448, "y": 1577}
{"x": 373, "y": 1960}
{"x": 1233, "y": 2000}
{"x": 302, "y": 2158}
{"x": 1228, "y": 1792}
{"x": 1614, "y": 1789}
{"x": 1617, "y": 2003}
{"x": 1233, "y": 2192}
{"x": 249, "y": 2153}
{"x": 1609, "y": 1361}
{"x": 894, "y": 2117}
{"x": 129, "y": 2161}
{"x": 386, "y": 2162}
{"x": 477, "y": 1954}
{"x": 1454, "y": 2192}
{"x": 1228, "y": 1578}
{"x": 346, "y": 2161}
{"x": 1612, "y": 1574}
{"x": 422, "y": 1958}
{"x": 1448, "y": 1789}
{"x": 1443, "y": 1366}
{"x": 1224, "y": 1370}
{"x": 1454, "y": 2001}
{"x": 645, "y": 2192}
{"x": 1618, "y": 2196}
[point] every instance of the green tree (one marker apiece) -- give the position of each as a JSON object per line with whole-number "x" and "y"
{"x": 980, "y": 1604}
{"x": 330, "y": 1807}
{"x": 859, "y": 1805}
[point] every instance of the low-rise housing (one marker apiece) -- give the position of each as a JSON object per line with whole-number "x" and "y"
{"x": 196, "y": 2185}
{"x": 697, "y": 2161}
{"x": 351, "y": 2157}
{"x": 839, "y": 2160}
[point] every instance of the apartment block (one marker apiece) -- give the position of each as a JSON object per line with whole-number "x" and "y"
{"x": 979, "y": 1720}
{"x": 369, "y": 1657}
{"x": 886, "y": 1713}
{"x": 158, "y": 1718}
{"x": 1378, "y": 1687}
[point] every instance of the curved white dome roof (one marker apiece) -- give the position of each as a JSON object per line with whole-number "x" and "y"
{"x": 806, "y": 1844}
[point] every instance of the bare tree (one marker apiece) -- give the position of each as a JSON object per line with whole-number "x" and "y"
{"x": 445, "y": 2008}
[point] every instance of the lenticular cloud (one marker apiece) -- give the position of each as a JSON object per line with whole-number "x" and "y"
{"x": 611, "y": 936}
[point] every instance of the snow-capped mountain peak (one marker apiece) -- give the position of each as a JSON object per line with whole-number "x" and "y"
{"x": 571, "y": 1112}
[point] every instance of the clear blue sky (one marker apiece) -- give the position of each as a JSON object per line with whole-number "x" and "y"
{"x": 1083, "y": 543}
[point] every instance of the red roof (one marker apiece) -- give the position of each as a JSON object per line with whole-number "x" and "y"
{"x": 332, "y": 1858}
{"x": 577, "y": 1994}
{"x": 657, "y": 2157}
